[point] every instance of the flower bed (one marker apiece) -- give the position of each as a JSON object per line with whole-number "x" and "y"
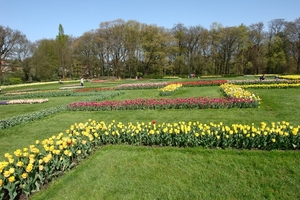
{"x": 290, "y": 77}
{"x": 98, "y": 81}
{"x": 203, "y": 83}
{"x": 163, "y": 103}
{"x": 55, "y": 93}
{"x": 27, "y": 101}
{"x": 164, "y": 84}
{"x": 32, "y": 84}
{"x": 137, "y": 86}
{"x": 169, "y": 89}
{"x": 28, "y": 169}
{"x": 70, "y": 87}
{"x": 251, "y": 82}
{"x": 274, "y": 85}
{"x": 93, "y": 89}
{"x": 23, "y": 101}
{"x": 236, "y": 91}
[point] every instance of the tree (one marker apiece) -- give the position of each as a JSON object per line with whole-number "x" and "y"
{"x": 87, "y": 52}
{"x": 24, "y": 52}
{"x": 275, "y": 56}
{"x": 63, "y": 51}
{"x": 115, "y": 52}
{"x": 45, "y": 60}
{"x": 225, "y": 43}
{"x": 156, "y": 45}
{"x": 292, "y": 32}
{"x": 256, "y": 49}
{"x": 9, "y": 41}
{"x": 240, "y": 61}
{"x": 179, "y": 32}
{"x": 132, "y": 31}
{"x": 193, "y": 37}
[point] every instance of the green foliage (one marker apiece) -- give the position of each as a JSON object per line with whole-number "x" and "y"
{"x": 153, "y": 76}
{"x": 14, "y": 81}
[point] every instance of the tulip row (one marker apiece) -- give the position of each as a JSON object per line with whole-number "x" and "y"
{"x": 61, "y": 93}
{"x": 161, "y": 104}
{"x": 26, "y": 170}
{"x": 203, "y": 83}
{"x": 137, "y": 86}
{"x": 275, "y": 86}
{"x": 32, "y": 84}
{"x": 93, "y": 89}
{"x": 23, "y": 101}
{"x": 257, "y": 81}
{"x": 290, "y": 77}
{"x": 164, "y": 84}
{"x": 236, "y": 91}
{"x": 71, "y": 87}
{"x": 169, "y": 90}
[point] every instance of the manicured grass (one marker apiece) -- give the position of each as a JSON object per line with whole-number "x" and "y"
{"x": 128, "y": 172}
{"x": 17, "y": 109}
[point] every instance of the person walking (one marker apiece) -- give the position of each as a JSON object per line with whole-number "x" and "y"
{"x": 81, "y": 81}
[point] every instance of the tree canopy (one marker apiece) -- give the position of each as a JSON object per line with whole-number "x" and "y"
{"x": 129, "y": 48}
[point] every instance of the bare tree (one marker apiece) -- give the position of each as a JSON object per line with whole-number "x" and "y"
{"x": 9, "y": 43}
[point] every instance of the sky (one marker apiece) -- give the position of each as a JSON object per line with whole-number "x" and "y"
{"x": 40, "y": 19}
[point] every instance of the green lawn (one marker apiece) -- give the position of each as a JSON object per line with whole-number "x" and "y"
{"x": 130, "y": 172}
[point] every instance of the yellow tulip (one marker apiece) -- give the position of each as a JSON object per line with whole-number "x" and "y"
{"x": 6, "y": 173}
{"x": 12, "y": 170}
{"x": 29, "y": 168}
{"x": 24, "y": 175}
{"x": 11, "y": 179}
{"x": 20, "y": 164}
{"x": 273, "y": 140}
{"x": 18, "y": 153}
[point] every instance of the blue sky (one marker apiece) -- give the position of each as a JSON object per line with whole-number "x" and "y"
{"x": 39, "y": 19}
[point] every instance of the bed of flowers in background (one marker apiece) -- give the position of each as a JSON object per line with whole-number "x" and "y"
{"x": 235, "y": 97}
{"x": 23, "y": 101}
{"x": 170, "y": 89}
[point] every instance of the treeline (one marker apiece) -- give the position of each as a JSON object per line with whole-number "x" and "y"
{"x": 127, "y": 49}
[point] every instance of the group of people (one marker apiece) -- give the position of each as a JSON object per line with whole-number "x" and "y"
{"x": 261, "y": 78}
{"x": 60, "y": 82}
